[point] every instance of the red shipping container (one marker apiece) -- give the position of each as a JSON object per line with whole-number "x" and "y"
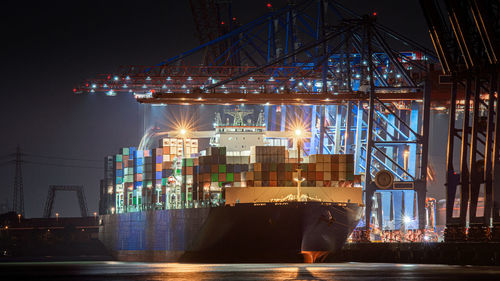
{"x": 273, "y": 176}
{"x": 311, "y": 175}
{"x": 189, "y": 170}
{"x": 288, "y": 176}
{"x": 311, "y": 167}
{"x": 250, "y": 183}
{"x": 119, "y": 165}
{"x": 237, "y": 177}
{"x": 273, "y": 183}
{"x": 319, "y": 176}
{"x": 222, "y": 177}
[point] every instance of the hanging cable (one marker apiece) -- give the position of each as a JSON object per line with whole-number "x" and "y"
{"x": 60, "y": 158}
{"x": 62, "y": 165}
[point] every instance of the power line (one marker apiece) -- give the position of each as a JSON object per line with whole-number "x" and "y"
{"x": 60, "y": 158}
{"x": 62, "y": 165}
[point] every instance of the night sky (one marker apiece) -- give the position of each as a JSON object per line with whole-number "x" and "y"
{"x": 50, "y": 46}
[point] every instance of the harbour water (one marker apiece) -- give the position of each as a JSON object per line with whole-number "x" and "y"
{"x": 122, "y": 271}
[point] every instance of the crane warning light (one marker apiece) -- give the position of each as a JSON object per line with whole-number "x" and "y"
{"x": 234, "y": 19}
{"x": 269, "y": 5}
{"x": 74, "y": 90}
{"x": 222, "y": 22}
{"x": 374, "y": 14}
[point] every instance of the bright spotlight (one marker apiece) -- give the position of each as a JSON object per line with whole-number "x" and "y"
{"x": 298, "y": 132}
{"x": 406, "y": 219}
{"x": 183, "y": 132}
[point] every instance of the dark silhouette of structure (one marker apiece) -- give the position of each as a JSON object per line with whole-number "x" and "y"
{"x": 49, "y": 204}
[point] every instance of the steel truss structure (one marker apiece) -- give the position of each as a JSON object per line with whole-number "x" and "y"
{"x": 49, "y": 204}
{"x": 357, "y": 92}
{"x": 467, "y": 44}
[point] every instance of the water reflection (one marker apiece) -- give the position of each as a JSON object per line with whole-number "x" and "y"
{"x": 118, "y": 271}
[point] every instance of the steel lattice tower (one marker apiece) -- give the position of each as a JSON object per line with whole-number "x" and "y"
{"x": 18, "y": 198}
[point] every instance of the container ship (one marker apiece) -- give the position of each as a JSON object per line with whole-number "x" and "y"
{"x": 249, "y": 197}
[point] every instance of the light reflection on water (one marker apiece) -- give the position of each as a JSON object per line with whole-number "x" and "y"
{"x": 118, "y": 271}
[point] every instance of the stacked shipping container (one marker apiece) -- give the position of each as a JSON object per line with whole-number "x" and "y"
{"x": 172, "y": 175}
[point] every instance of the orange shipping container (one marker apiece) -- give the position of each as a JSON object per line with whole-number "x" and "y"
{"x": 273, "y": 176}
{"x": 214, "y": 169}
{"x": 206, "y": 177}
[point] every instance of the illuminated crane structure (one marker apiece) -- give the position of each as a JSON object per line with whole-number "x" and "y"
{"x": 357, "y": 92}
{"x": 467, "y": 41}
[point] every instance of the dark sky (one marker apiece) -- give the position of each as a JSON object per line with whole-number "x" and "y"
{"x": 50, "y": 46}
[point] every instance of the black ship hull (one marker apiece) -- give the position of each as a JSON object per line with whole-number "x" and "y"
{"x": 264, "y": 232}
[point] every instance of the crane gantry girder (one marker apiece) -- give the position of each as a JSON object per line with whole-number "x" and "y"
{"x": 277, "y": 99}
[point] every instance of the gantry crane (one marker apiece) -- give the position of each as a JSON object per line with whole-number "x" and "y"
{"x": 338, "y": 70}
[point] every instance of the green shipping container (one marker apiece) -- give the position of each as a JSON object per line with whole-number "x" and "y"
{"x": 119, "y": 158}
{"x": 126, "y": 151}
{"x": 134, "y": 200}
{"x": 188, "y": 162}
{"x": 214, "y": 177}
{"x": 164, "y": 181}
{"x": 229, "y": 177}
{"x": 222, "y": 168}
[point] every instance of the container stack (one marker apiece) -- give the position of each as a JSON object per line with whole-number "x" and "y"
{"x": 346, "y": 167}
{"x": 189, "y": 179}
{"x": 157, "y": 156}
{"x": 147, "y": 185}
{"x": 319, "y": 170}
{"x": 119, "y": 182}
{"x": 267, "y": 154}
{"x": 128, "y": 169}
{"x": 211, "y": 172}
{"x": 138, "y": 178}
